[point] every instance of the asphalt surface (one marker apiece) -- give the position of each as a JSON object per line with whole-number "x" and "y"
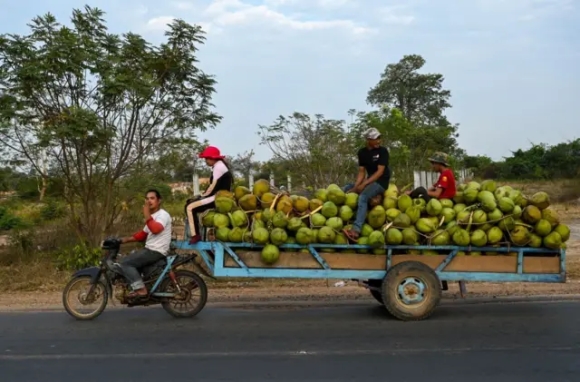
{"x": 477, "y": 342}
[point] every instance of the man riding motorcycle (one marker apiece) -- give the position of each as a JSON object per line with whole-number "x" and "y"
{"x": 157, "y": 237}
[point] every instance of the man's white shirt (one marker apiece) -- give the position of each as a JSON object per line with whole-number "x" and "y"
{"x": 159, "y": 242}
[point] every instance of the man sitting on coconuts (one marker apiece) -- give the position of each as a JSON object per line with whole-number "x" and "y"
{"x": 372, "y": 179}
{"x": 220, "y": 179}
{"x": 444, "y": 188}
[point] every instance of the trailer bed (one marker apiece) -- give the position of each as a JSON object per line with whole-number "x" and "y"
{"x": 408, "y": 285}
{"x": 510, "y": 265}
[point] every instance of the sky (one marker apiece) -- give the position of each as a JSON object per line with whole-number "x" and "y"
{"x": 513, "y": 66}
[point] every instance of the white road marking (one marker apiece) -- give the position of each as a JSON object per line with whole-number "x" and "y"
{"x": 42, "y": 357}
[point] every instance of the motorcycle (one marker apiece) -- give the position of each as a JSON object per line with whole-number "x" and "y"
{"x": 168, "y": 286}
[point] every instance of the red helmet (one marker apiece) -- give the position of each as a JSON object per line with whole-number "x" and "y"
{"x": 211, "y": 152}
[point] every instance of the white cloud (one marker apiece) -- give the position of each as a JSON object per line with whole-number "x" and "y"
{"x": 263, "y": 13}
{"x": 159, "y": 23}
{"x": 221, "y": 14}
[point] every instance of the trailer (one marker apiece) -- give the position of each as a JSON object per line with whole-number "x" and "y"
{"x": 408, "y": 285}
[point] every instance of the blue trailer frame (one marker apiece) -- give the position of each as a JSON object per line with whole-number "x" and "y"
{"x": 217, "y": 268}
{"x": 409, "y": 288}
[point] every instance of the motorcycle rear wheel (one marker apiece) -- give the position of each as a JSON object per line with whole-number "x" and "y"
{"x": 99, "y": 293}
{"x": 186, "y": 279}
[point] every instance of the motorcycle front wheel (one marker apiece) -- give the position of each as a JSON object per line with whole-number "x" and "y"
{"x": 98, "y": 297}
{"x": 190, "y": 300}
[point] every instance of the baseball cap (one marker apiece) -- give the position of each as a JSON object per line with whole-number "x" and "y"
{"x": 372, "y": 133}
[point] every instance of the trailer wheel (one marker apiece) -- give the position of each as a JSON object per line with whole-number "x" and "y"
{"x": 411, "y": 291}
{"x": 377, "y": 294}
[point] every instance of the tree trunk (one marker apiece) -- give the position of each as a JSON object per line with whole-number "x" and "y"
{"x": 42, "y": 187}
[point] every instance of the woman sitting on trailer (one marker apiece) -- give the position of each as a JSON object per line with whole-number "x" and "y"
{"x": 221, "y": 179}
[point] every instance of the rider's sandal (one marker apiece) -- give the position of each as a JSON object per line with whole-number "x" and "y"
{"x": 135, "y": 295}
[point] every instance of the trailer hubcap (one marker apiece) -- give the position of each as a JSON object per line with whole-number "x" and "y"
{"x": 411, "y": 291}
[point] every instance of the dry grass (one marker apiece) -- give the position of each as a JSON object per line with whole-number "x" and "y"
{"x": 560, "y": 191}
{"x": 39, "y": 276}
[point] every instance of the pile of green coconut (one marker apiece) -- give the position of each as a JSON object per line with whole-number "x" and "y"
{"x": 480, "y": 215}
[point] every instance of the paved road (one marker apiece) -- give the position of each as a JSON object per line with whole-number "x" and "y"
{"x": 488, "y": 342}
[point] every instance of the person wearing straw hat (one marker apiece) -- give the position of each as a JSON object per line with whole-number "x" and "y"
{"x": 372, "y": 179}
{"x": 445, "y": 187}
{"x": 221, "y": 179}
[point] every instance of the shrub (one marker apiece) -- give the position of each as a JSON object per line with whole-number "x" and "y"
{"x": 78, "y": 257}
{"x": 52, "y": 210}
{"x": 8, "y": 220}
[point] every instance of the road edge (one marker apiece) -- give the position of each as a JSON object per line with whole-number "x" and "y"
{"x": 273, "y": 304}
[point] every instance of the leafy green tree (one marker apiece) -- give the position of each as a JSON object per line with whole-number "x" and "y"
{"x": 411, "y": 115}
{"x": 177, "y": 161}
{"x": 243, "y": 165}
{"x": 419, "y": 96}
{"x": 317, "y": 151}
{"x": 409, "y": 145}
{"x": 100, "y": 104}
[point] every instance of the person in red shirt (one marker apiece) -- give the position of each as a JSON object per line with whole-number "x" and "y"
{"x": 445, "y": 187}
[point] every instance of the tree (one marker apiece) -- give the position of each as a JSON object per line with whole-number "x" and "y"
{"x": 179, "y": 161}
{"x": 409, "y": 145}
{"x": 421, "y": 100}
{"x": 419, "y": 96}
{"x": 19, "y": 150}
{"x": 100, "y": 104}
{"x": 244, "y": 164}
{"x": 316, "y": 150}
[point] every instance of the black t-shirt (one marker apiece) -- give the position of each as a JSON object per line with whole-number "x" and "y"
{"x": 370, "y": 159}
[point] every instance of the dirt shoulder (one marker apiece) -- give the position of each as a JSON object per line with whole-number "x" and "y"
{"x": 32, "y": 301}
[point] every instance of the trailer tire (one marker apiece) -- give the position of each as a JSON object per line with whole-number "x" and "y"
{"x": 378, "y": 296}
{"x": 411, "y": 291}
{"x": 376, "y": 293}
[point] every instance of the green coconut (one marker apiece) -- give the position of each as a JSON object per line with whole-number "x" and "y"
{"x": 461, "y": 238}
{"x": 335, "y": 223}
{"x": 376, "y": 239}
{"x": 404, "y": 202}
{"x": 410, "y": 236}
{"x": 394, "y": 236}
{"x": 304, "y": 236}
{"x": 494, "y": 235}
{"x": 553, "y": 240}
{"x": 441, "y": 237}
{"x": 329, "y": 210}
{"x": 389, "y": 202}
{"x": 478, "y": 238}
{"x": 376, "y": 217}
{"x": 564, "y": 232}
{"x": 540, "y": 199}
{"x": 366, "y": 230}
{"x": 434, "y": 207}
{"x": 270, "y": 254}
{"x": 402, "y": 221}
{"x": 318, "y": 220}
{"x": 392, "y": 214}
{"x": 542, "y": 228}
{"x": 531, "y": 214}
{"x": 345, "y": 213}
{"x": 278, "y": 236}
{"x": 326, "y": 235}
